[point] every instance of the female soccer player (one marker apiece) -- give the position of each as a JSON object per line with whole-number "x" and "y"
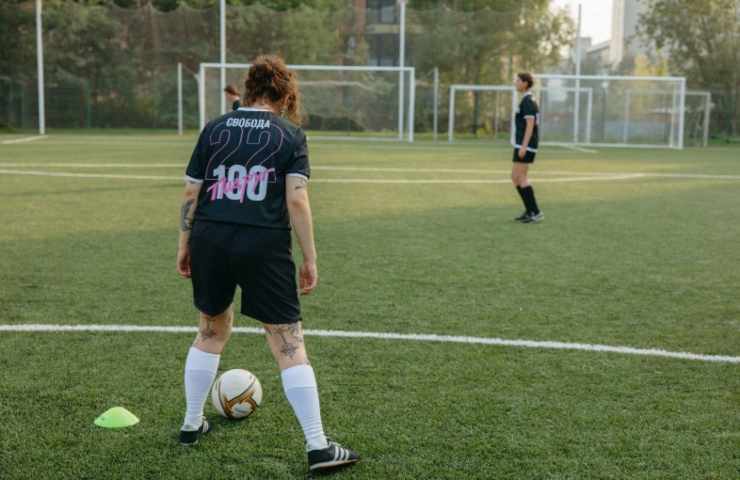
{"x": 525, "y": 148}
{"x": 246, "y": 184}
{"x": 233, "y": 96}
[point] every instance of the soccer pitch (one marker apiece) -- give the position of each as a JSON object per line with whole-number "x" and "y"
{"x": 639, "y": 249}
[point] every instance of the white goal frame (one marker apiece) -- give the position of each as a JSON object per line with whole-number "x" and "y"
{"x": 406, "y": 107}
{"x": 460, "y": 87}
{"x": 707, "y": 96}
{"x": 508, "y": 88}
{"x": 676, "y": 139}
{"x": 679, "y": 103}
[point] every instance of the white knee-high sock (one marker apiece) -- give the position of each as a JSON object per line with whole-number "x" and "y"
{"x": 299, "y": 384}
{"x": 200, "y": 371}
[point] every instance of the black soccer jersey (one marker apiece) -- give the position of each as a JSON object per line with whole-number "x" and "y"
{"x": 527, "y": 109}
{"x": 243, "y": 159}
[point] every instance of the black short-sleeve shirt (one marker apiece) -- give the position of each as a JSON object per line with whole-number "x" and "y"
{"x": 527, "y": 109}
{"x": 243, "y": 159}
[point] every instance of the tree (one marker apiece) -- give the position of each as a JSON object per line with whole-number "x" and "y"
{"x": 702, "y": 39}
{"x": 482, "y": 41}
{"x": 17, "y": 62}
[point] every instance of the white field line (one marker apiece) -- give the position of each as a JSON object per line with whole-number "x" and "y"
{"x": 472, "y": 182}
{"x": 88, "y": 175}
{"x": 93, "y": 165}
{"x": 595, "y": 177}
{"x": 23, "y": 140}
{"x": 341, "y": 168}
{"x": 694, "y": 176}
{"x": 445, "y": 170}
{"x": 587, "y": 347}
{"x": 578, "y": 149}
{"x": 338, "y": 168}
{"x": 326, "y": 180}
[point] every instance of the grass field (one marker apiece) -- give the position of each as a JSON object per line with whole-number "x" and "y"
{"x": 638, "y": 249}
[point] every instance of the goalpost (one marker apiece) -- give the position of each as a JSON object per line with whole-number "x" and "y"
{"x": 507, "y": 89}
{"x": 339, "y": 102}
{"x": 510, "y": 91}
{"x": 592, "y": 110}
{"x": 698, "y": 114}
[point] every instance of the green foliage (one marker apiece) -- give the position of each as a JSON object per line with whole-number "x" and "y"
{"x": 301, "y": 35}
{"x": 17, "y": 33}
{"x": 702, "y": 39}
{"x": 105, "y": 61}
{"x": 486, "y": 42}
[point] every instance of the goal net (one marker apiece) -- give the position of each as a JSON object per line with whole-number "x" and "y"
{"x": 338, "y": 102}
{"x": 607, "y": 111}
{"x": 698, "y": 116}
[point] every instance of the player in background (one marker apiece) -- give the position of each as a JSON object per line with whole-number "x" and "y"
{"x": 246, "y": 184}
{"x": 525, "y": 148}
{"x": 233, "y": 96}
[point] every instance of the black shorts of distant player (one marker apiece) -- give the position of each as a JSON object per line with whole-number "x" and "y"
{"x": 528, "y": 157}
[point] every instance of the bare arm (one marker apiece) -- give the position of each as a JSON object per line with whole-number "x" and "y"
{"x": 527, "y": 136}
{"x": 299, "y": 209}
{"x": 187, "y": 211}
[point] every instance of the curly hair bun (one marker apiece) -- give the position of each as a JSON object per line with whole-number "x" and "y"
{"x": 270, "y": 79}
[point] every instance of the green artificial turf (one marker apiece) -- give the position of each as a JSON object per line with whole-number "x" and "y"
{"x": 647, "y": 262}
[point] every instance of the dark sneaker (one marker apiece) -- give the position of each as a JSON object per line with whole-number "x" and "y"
{"x": 534, "y": 218}
{"x": 190, "y": 437}
{"x": 333, "y": 456}
{"x": 522, "y": 217}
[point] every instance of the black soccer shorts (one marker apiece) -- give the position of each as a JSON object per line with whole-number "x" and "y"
{"x": 259, "y": 260}
{"x": 528, "y": 157}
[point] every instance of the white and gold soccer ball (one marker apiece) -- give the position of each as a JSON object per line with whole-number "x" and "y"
{"x": 236, "y": 394}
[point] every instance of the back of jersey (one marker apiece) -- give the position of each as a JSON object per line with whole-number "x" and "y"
{"x": 242, "y": 160}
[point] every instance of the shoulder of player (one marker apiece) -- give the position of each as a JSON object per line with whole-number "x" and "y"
{"x": 293, "y": 131}
{"x": 529, "y": 100}
{"x": 285, "y": 124}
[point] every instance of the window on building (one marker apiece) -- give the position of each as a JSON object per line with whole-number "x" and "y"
{"x": 383, "y": 50}
{"x": 381, "y": 11}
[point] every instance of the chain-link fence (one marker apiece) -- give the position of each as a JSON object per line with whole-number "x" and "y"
{"x": 112, "y": 67}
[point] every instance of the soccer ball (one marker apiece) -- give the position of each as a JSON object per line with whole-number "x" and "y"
{"x": 236, "y": 394}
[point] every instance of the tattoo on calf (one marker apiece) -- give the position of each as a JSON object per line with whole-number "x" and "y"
{"x": 186, "y": 223}
{"x": 291, "y": 336}
{"x": 207, "y": 332}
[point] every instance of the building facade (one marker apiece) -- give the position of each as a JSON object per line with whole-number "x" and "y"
{"x": 624, "y": 41}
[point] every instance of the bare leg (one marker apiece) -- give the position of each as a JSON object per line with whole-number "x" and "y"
{"x": 286, "y": 344}
{"x": 299, "y": 380}
{"x": 201, "y": 365}
{"x": 519, "y": 173}
{"x": 214, "y": 331}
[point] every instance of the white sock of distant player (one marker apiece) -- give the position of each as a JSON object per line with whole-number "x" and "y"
{"x": 200, "y": 370}
{"x": 299, "y": 384}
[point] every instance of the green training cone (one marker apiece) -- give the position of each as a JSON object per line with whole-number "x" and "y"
{"x": 116, "y": 417}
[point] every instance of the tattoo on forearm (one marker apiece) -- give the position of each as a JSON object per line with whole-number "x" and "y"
{"x": 302, "y": 183}
{"x": 186, "y": 221}
{"x": 291, "y": 337}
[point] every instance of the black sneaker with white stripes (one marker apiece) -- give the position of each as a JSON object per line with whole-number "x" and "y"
{"x": 522, "y": 217}
{"x": 534, "y": 218}
{"x": 190, "y": 437}
{"x": 331, "y": 457}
